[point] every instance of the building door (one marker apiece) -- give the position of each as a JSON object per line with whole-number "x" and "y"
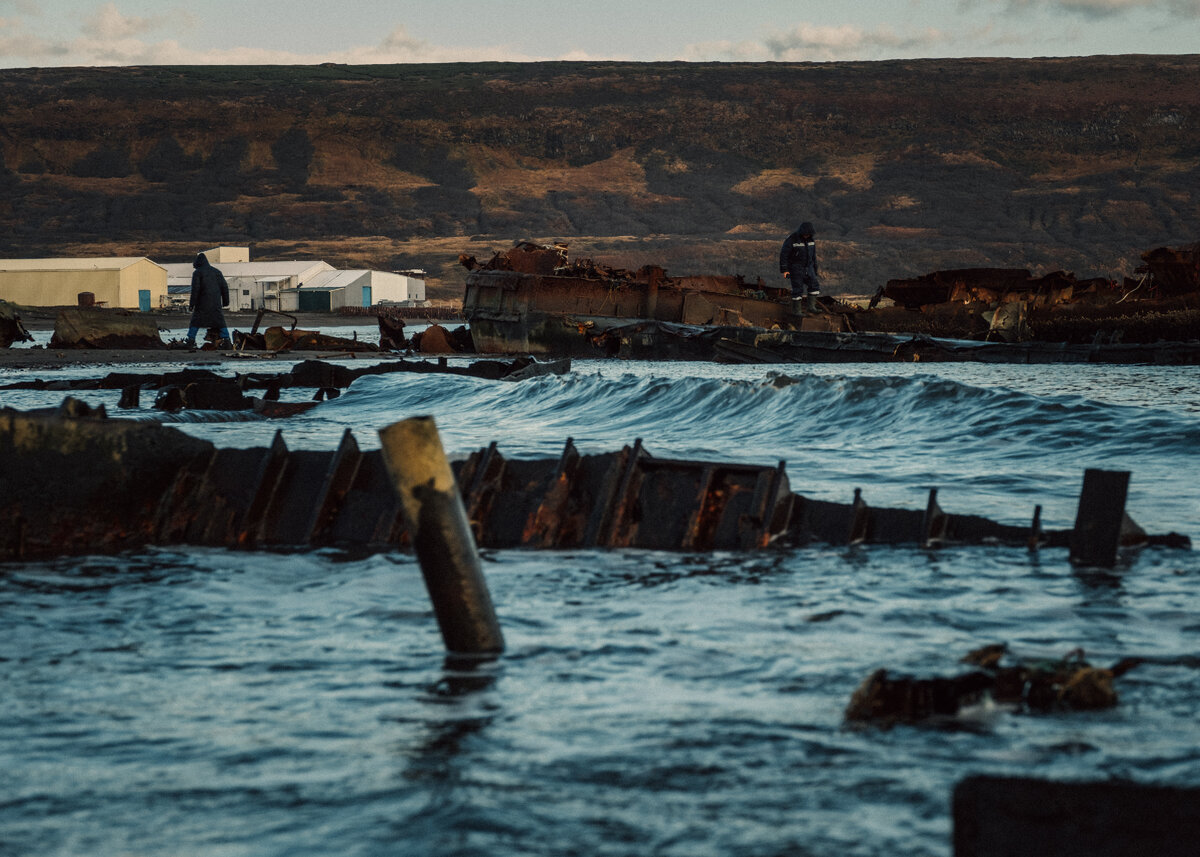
{"x": 366, "y": 295}
{"x": 144, "y": 300}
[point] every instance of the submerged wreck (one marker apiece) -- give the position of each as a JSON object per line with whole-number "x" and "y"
{"x": 533, "y": 299}
{"x": 74, "y": 481}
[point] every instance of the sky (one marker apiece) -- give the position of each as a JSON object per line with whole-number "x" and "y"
{"x": 217, "y": 32}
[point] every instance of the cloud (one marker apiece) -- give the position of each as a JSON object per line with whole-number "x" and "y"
{"x": 805, "y": 40}
{"x": 112, "y": 38}
{"x": 23, "y": 7}
{"x": 1099, "y": 9}
{"x": 724, "y": 51}
{"x": 817, "y": 42}
{"x": 109, "y": 23}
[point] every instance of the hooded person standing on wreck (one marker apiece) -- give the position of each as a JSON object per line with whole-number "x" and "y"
{"x": 798, "y": 263}
{"x": 210, "y": 293}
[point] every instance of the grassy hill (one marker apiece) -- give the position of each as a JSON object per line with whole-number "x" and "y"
{"x": 904, "y": 166}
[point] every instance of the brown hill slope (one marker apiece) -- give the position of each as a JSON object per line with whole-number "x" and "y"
{"x": 904, "y": 166}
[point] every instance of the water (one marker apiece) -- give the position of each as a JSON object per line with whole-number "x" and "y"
{"x": 210, "y": 702}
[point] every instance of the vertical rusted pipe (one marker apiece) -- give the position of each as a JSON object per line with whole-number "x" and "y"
{"x": 441, "y": 535}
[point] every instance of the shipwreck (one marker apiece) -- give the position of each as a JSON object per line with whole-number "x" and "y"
{"x": 73, "y": 480}
{"x": 532, "y": 299}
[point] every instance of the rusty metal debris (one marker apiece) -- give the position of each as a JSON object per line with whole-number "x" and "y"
{"x": 73, "y": 481}
{"x": 988, "y": 286}
{"x": 534, "y": 299}
{"x": 1064, "y": 684}
{"x": 11, "y": 328}
{"x": 1172, "y": 271}
{"x": 80, "y": 327}
{"x": 1011, "y": 305}
{"x": 434, "y": 340}
{"x": 391, "y": 332}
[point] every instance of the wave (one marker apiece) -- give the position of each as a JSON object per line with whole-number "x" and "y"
{"x": 769, "y": 415}
{"x": 1000, "y": 448}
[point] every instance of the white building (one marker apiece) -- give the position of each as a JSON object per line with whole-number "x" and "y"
{"x": 252, "y": 285}
{"x": 295, "y": 286}
{"x": 330, "y": 290}
{"x": 222, "y": 255}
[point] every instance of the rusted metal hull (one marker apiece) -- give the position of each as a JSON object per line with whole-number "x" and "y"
{"x": 531, "y": 300}
{"x": 73, "y": 481}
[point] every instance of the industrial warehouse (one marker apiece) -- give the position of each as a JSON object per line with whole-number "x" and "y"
{"x": 123, "y": 281}
{"x": 142, "y": 284}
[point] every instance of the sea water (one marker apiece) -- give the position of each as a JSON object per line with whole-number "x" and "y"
{"x": 200, "y": 701}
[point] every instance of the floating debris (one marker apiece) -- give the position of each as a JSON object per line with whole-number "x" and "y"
{"x": 1069, "y": 683}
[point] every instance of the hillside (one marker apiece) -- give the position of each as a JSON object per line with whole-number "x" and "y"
{"x": 904, "y": 166}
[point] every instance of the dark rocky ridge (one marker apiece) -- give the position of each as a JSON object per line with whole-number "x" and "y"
{"x": 905, "y": 166}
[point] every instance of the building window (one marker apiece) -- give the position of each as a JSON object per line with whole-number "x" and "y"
{"x": 246, "y": 292}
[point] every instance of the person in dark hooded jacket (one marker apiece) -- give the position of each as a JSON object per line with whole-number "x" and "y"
{"x": 798, "y": 263}
{"x": 210, "y": 293}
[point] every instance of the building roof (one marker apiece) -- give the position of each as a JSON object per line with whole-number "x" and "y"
{"x": 260, "y": 270}
{"x": 95, "y": 263}
{"x": 334, "y": 279}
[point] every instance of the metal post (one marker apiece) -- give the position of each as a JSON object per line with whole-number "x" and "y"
{"x": 1097, "y": 533}
{"x": 935, "y": 523}
{"x": 861, "y": 521}
{"x": 441, "y": 535}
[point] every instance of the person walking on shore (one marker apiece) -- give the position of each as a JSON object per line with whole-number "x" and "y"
{"x": 210, "y": 293}
{"x": 798, "y": 263}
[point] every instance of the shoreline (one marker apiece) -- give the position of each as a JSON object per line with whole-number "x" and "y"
{"x": 61, "y": 358}
{"x": 42, "y": 318}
